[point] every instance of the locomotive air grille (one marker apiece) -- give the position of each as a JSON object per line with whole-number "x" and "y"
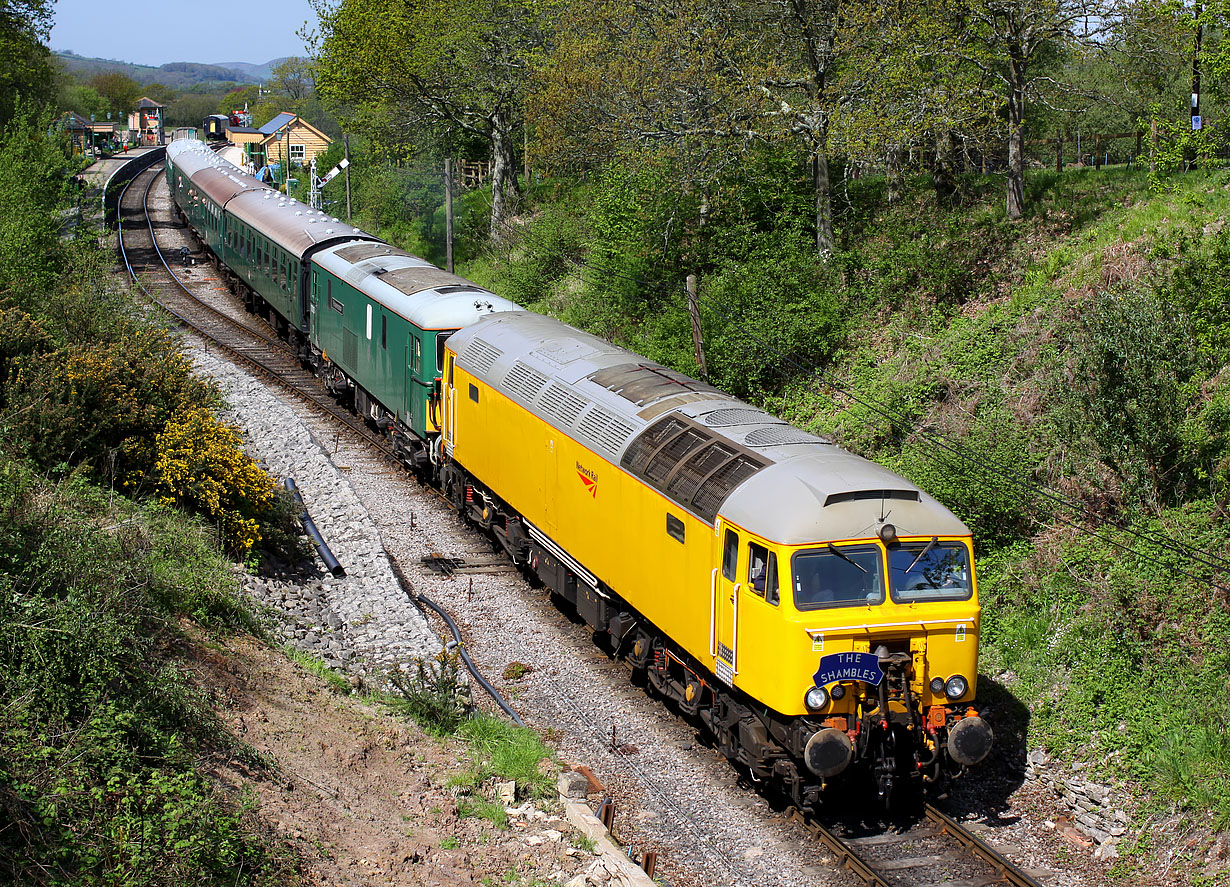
{"x": 642, "y": 449}
{"x": 525, "y": 381}
{"x": 480, "y": 355}
{"x": 561, "y": 403}
{"x": 684, "y": 484}
{"x": 776, "y": 436}
{"x": 738, "y": 416}
{"x": 714, "y": 491}
{"x": 350, "y": 348}
{"x": 605, "y": 428}
{"x": 671, "y": 454}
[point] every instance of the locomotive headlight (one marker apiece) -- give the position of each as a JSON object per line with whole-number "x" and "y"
{"x": 816, "y": 698}
{"x": 937, "y": 686}
{"x": 956, "y": 687}
{"x": 838, "y": 691}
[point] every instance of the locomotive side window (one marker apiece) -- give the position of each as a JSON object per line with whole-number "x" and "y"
{"x": 730, "y": 555}
{"x": 441, "y": 338}
{"x": 416, "y": 353}
{"x": 762, "y": 572}
{"x": 838, "y": 577}
{"x": 473, "y": 392}
{"x": 674, "y": 527}
{"x": 929, "y": 571}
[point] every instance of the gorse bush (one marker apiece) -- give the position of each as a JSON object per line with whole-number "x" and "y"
{"x": 201, "y": 465}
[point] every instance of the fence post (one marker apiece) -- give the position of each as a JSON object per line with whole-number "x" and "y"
{"x": 1097, "y": 152}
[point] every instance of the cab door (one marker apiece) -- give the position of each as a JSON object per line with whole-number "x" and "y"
{"x": 724, "y": 607}
{"x": 450, "y": 406}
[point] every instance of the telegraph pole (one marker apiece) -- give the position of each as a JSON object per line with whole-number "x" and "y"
{"x": 346, "y": 142}
{"x": 448, "y": 213}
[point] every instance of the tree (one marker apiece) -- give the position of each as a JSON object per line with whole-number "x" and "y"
{"x": 26, "y": 71}
{"x": 120, "y": 91}
{"x": 434, "y": 70}
{"x": 292, "y": 79}
{"x": 700, "y": 75}
{"x": 1013, "y": 42}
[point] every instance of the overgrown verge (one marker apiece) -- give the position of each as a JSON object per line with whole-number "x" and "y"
{"x": 107, "y": 445}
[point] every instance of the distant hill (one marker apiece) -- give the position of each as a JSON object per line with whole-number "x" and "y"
{"x": 178, "y": 75}
{"x": 259, "y": 73}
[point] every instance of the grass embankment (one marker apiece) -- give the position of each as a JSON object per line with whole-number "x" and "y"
{"x": 1075, "y": 361}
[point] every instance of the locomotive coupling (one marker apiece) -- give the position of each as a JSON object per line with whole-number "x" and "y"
{"x": 828, "y": 752}
{"x": 969, "y": 740}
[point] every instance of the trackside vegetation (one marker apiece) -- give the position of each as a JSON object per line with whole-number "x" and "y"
{"x": 124, "y": 502}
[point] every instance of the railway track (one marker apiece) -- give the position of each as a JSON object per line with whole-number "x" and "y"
{"x": 247, "y": 340}
{"x": 936, "y": 851}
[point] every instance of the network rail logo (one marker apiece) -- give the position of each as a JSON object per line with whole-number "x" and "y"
{"x": 589, "y": 478}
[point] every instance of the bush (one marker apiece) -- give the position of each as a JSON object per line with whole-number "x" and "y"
{"x": 201, "y": 466}
{"x": 433, "y": 694}
{"x": 99, "y": 729}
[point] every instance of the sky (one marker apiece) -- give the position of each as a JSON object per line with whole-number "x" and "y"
{"x": 136, "y": 30}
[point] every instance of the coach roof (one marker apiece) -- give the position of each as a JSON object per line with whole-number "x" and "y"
{"x": 427, "y": 296}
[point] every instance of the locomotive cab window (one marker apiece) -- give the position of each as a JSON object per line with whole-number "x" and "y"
{"x": 762, "y": 572}
{"x": 730, "y": 555}
{"x": 835, "y": 576}
{"x": 929, "y": 571}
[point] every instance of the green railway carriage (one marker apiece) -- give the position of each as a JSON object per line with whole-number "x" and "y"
{"x": 380, "y": 317}
{"x": 268, "y": 243}
{"x": 202, "y": 184}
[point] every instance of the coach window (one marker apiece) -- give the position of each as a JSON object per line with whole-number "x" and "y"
{"x": 384, "y": 331}
{"x": 730, "y": 556}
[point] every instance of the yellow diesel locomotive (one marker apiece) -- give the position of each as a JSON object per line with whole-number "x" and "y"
{"x": 816, "y": 612}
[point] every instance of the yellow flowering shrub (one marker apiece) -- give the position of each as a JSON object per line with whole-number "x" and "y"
{"x": 200, "y": 465}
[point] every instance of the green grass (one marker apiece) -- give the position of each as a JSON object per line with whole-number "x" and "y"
{"x": 337, "y": 681}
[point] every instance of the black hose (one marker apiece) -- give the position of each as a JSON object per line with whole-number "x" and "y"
{"x": 331, "y": 563}
{"x": 465, "y": 657}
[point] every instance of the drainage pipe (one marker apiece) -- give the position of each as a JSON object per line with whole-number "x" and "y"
{"x": 478, "y": 676}
{"x": 331, "y": 563}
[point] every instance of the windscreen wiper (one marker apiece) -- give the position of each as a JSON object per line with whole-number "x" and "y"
{"x": 845, "y": 557}
{"x": 922, "y": 554}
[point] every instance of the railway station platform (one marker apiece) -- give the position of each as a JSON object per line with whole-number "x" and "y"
{"x": 99, "y": 176}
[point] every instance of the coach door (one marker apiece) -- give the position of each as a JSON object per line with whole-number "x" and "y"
{"x": 724, "y": 606}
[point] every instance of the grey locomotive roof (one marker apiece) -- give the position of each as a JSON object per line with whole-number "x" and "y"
{"x": 294, "y": 226}
{"x": 712, "y": 454}
{"x": 430, "y": 298}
